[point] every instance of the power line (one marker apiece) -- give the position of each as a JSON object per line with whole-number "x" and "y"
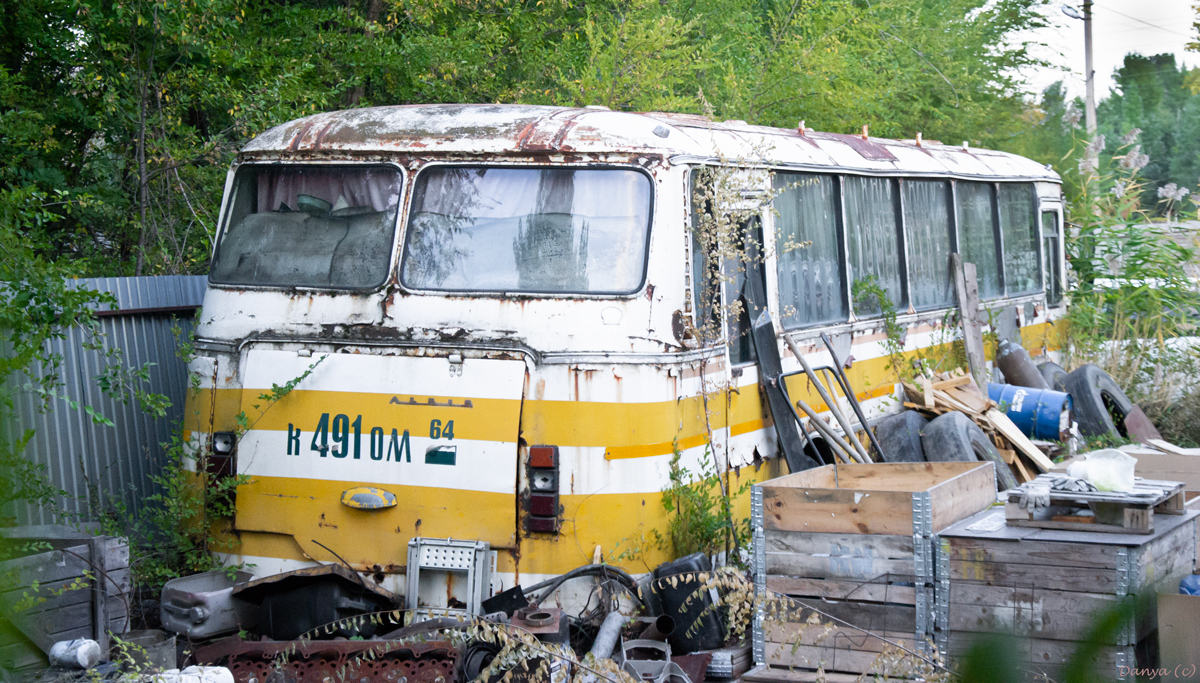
{"x": 1144, "y": 22}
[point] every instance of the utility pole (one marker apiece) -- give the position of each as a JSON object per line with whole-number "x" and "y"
{"x": 1089, "y": 107}
{"x": 1089, "y": 112}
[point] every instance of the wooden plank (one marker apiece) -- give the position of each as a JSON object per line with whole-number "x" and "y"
{"x": 832, "y": 635}
{"x": 17, "y": 651}
{"x": 1038, "y": 655}
{"x": 966, "y": 289}
{"x": 947, "y": 401}
{"x": 806, "y": 543}
{"x": 1005, "y": 426}
{"x": 1168, "y": 447}
{"x": 900, "y": 476}
{"x": 46, "y": 628}
{"x": 57, "y": 565}
{"x": 1049, "y": 554}
{"x": 1171, "y": 557}
{"x": 863, "y": 567}
{"x": 843, "y": 511}
{"x": 1065, "y": 615}
{"x": 57, "y": 594}
{"x": 842, "y": 590}
{"x": 1022, "y": 472}
{"x": 1134, "y": 521}
{"x": 832, "y": 659}
{"x": 945, "y": 384}
{"x": 926, "y": 392}
{"x": 100, "y": 593}
{"x": 976, "y": 405}
{"x": 1015, "y": 574}
{"x": 962, "y": 496}
{"x": 866, "y": 615}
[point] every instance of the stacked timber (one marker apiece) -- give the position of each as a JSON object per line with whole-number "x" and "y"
{"x": 957, "y": 391}
{"x": 845, "y": 555}
{"x": 71, "y": 585}
{"x": 1051, "y": 588}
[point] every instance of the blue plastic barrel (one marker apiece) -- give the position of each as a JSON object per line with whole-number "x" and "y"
{"x": 1037, "y": 412}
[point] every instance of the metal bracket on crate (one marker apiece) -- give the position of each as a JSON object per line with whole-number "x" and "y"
{"x": 923, "y": 560}
{"x": 1127, "y": 571}
{"x": 941, "y": 593}
{"x": 922, "y": 514}
{"x": 924, "y": 569}
{"x": 1124, "y": 663}
{"x": 758, "y": 638}
{"x": 759, "y": 536}
{"x": 922, "y": 625}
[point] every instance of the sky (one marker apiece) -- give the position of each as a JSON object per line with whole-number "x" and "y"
{"x": 1119, "y": 27}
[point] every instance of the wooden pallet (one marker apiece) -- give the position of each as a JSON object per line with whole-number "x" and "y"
{"x": 1102, "y": 511}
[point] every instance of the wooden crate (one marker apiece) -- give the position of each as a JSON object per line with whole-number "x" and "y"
{"x": 876, "y": 498}
{"x": 856, "y": 544}
{"x": 1049, "y": 587}
{"x": 82, "y": 592}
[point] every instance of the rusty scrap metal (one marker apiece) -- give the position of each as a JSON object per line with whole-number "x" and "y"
{"x": 370, "y": 661}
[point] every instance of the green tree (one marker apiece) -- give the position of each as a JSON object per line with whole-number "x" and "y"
{"x": 1151, "y": 95}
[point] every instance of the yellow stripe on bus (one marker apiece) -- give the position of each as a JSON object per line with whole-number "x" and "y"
{"x": 626, "y": 430}
{"x": 281, "y": 517}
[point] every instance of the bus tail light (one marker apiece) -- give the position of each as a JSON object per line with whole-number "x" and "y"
{"x": 543, "y": 490}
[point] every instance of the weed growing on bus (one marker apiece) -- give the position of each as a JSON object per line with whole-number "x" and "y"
{"x": 700, "y": 512}
{"x": 870, "y": 296}
{"x": 185, "y": 523}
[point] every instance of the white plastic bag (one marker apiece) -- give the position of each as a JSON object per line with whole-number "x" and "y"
{"x": 1108, "y": 470}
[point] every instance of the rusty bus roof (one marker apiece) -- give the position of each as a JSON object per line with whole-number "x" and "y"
{"x": 524, "y": 130}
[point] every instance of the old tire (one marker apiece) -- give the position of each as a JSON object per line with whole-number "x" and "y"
{"x": 899, "y": 435}
{"x": 954, "y": 437}
{"x": 1100, "y": 405}
{"x": 1054, "y": 374}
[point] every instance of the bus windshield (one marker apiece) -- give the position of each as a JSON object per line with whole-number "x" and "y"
{"x": 551, "y": 230}
{"x": 309, "y": 226}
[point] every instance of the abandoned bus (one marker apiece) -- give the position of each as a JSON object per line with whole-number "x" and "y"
{"x": 475, "y": 321}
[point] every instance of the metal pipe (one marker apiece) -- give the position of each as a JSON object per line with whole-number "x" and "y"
{"x": 829, "y": 434}
{"x": 837, "y": 414}
{"x": 659, "y": 628}
{"x": 606, "y": 638}
{"x": 862, "y": 420}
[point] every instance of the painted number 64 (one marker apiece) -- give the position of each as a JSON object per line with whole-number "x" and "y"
{"x": 437, "y": 431}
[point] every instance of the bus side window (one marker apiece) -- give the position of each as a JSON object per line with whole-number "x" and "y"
{"x": 977, "y": 235}
{"x": 1022, "y": 273}
{"x": 930, "y": 236}
{"x": 808, "y": 254}
{"x": 873, "y": 234}
{"x": 1051, "y": 273}
{"x": 706, "y": 280}
{"x": 748, "y": 264}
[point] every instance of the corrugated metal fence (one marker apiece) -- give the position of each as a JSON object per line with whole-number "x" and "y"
{"x": 98, "y": 465}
